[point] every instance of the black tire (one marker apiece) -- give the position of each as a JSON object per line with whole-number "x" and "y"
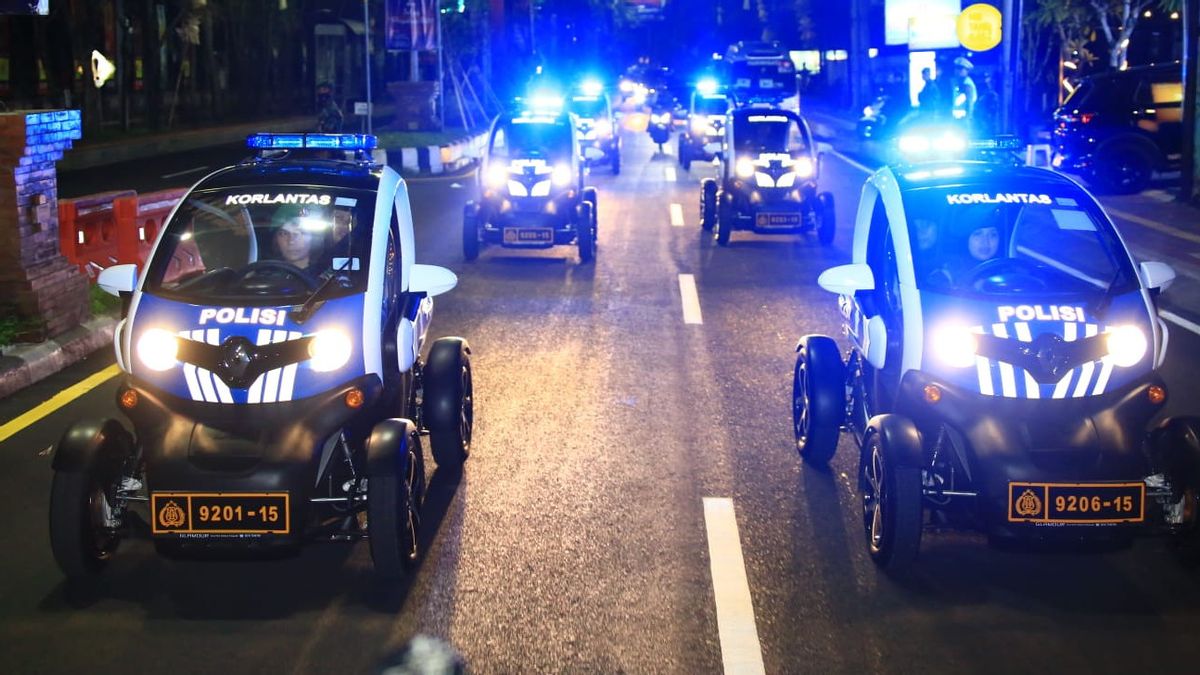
{"x": 394, "y": 498}
{"x": 616, "y": 163}
{"x": 891, "y": 507}
{"x": 586, "y": 237}
{"x": 826, "y": 219}
{"x": 589, "y": 195}
{"x": 685, "y": 157}
{"x": 470, "y": 233}
{"x": 81, "y": 545}
{"x": 1123, "y": 169}
{"x": 1175, "y": 444}
{"x": 818, "y": 398}
{"x": 708, "y": 204}
{"x": 724, "y": 220}
{"x": 448, "y": 401}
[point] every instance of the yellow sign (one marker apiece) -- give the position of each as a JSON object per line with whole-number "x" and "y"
{"x": 979, "y": 27}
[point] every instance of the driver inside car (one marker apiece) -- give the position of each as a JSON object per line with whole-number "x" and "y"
{"x": 294, "y": 237}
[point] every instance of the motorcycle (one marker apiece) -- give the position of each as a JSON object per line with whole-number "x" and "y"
{"x": 659, "y": 127}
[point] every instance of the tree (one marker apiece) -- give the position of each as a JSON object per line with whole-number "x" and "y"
{"x": 1055, "y": 32}
{"x": 1118, "y": 19}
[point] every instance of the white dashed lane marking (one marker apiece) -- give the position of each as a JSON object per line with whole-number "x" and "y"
{"x": 1179, "y": 321}
{"x": 691, "y": 299}
{"x": 740, "y": 649}
{"x": 677, "y": 215}
{"x": 669, "y": 174}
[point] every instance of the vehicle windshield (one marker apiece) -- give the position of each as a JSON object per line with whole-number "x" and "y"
{"x": 770, "y": 133}
{"x": 769, "y": 78}
{"x": 711, "y": 105}
{"x": 999, "y": 239}
{"x": 589, "y": 107}
{"x": 532, "y": 139}
{"x": 264, "y": 245}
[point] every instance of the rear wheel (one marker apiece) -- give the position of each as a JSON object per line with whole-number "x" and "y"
{"x": 448, "y": 401}
{"x": 470, "y": 232}
{"x": 891, "y": 507}
{"x": 82, "y": 527}
{"x": 616, "y": 163}
{"x": 1123, "y": 170}
{"x": 685, "y": 157}
{"x": 708, "y": 204}
{"x": 826, "y": 223}
{"x": 585, "y": 223}
{"x": 818, "y": 398}
{"x": 394, "y": 497}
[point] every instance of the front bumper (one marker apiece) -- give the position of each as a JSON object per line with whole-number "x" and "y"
{"x": 1097, "y": 439}
{"x": 773, "y": 210}
{"x": 214, "y": 448}
{"x": 505, "y": 220}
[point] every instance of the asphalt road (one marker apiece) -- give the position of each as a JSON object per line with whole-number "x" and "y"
{"x": 577, "y": 538}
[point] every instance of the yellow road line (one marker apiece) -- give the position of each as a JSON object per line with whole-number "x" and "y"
{"x": 55, "y": 402}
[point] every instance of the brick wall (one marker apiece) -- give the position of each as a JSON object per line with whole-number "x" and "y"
{"x": 36, "y": 281}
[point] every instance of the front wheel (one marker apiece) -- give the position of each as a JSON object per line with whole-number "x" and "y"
{"x": 394, "y": 497}
{"x": 891, "y": 497}
{"x": 82, "y": 526}
{"x": 708, "y": 205}
{"x": 685, "y": 158}
{"x": 725, "y": 216}
{"x": 585, "y": 223}
{"x": 448, "y": 401}
{"x": 470, "y": 233}
{"x": 818, "y": 398}
{"x": 826, "y": 223}
{"x": 616, "y": 164}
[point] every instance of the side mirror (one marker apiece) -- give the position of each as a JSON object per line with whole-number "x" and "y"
{"x": 1156, "y": 276}
{"x": 431, "y": 280}
{"x": 847, "y": 279}
{"x": 118, "y": 279}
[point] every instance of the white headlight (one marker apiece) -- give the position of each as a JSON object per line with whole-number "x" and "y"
{"x": 914, "y": 145}
{"x": 157, "y": 349}
{"x": 497, "y": 175}
{"x": 1126, "y": 345}
{"x": 954, "y": 345}
{"x": 604, "y": 128}
{"x": 803, "y": 167}
{"x": 329, "y": 350}
{"x": 744, "y": 168}
{"x": 561, "y": 175}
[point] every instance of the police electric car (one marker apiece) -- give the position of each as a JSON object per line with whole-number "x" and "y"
{"x": 768, "y": 179}
{"x": 701, "y": 140}
{"x": 599, "y": 134}
{"x": 274, "y": 375}
{"x": 531, "y": 187}
{"x": 1003, "y": 366}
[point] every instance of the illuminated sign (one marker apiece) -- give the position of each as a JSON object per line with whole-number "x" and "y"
{"x": 979, "y": 27}
{"x": 897, "y": 14}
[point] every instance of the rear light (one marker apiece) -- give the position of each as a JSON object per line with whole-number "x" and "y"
{"x": 1087, "y": 118}
{"x": 1072, "y": 118}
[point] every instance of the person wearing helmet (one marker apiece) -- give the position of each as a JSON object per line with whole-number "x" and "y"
{"x": 965, "y": 94}
{"x": 329, "y": 115}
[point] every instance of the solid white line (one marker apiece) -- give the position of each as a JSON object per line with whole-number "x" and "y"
{"x": 691, "y": 299}
{"x": 1154, "y": 225}
{"x": 677, "y": 215}
{"x": 1179, "y": 321}
{"x": 740, "y": 649}
{"x": 184, "y": 172}
{"x": 669, "y": 174}
{"x": 861, "y": 167}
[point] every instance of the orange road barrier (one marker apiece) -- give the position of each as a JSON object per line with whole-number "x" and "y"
{"x": 113, "y": 228}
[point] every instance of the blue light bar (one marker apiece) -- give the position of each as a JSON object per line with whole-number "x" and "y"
{"x": 997, "y": 143}
{"x": 707, "y": 86}
{"x": 313, "y": 141}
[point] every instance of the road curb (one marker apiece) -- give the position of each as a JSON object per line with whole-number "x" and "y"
{"x": 24, "y": 364}
{"x": 437, "y": 159}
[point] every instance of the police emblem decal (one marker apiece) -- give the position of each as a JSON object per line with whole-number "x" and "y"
{"x": 171, "y": 516}
{"x": 1028, "y": 505}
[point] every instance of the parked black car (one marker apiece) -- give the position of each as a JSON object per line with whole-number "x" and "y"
{"x": 1118, "y": 128}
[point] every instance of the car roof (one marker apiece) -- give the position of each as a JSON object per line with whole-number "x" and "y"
{"x": 924, "y": 175}
{"x": 547, "y": 117}
{"x": 324, "y": 172}
{"x": 1138, "y": 72}
{"x": 740, "y": 114}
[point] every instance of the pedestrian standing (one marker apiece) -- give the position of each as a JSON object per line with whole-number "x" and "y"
{"x": 965, "y": 93}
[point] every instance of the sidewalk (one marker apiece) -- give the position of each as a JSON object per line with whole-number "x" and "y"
{"x": 23, "y": 364}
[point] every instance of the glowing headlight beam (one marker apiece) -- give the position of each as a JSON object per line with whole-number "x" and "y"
{"x": 1126, "y": 346}
{"x": 329, "y": 350}
{"x": 561, "y": 176}
{"x": 955, "y": 345}
{"x": 158, "y": 349}
{"x": 744, "y": 168}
